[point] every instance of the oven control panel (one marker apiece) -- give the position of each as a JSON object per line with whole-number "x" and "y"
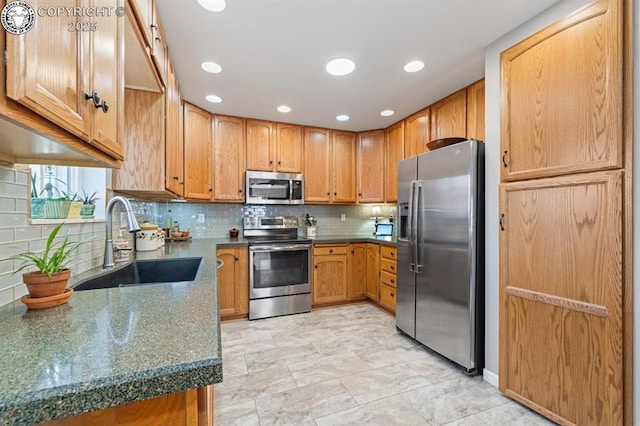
{"x": 270, "y": 222}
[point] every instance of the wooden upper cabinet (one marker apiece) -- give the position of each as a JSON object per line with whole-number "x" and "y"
{"x": 371, "y": 167}
{"x": 86, "y": 62}
{"x": 174, "y": 179}
{"x": 143, "y": 168}
{"x": 228, "y": 158}
{"x": 417, "y": 133}
{"x": 344, "y": 167}
{"x": 159, "y": 49}
{"x": 144, "y": 10}
{"x": 561, "y": 289}
{"x": 198, "y": 178}
{"x": 449, "y": 116}
{"x": 274, "y": 147}
{"x": 289, "y": 148}
{"x": 475, "y": 111}
{"x": 562, "y": 96}
{"x": 260, "y": 146}
{"x": 394, "y": 152}
{"x": 317, "y": 165}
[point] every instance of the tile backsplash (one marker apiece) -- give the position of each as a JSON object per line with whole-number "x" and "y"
{"x": 17, "y": 234}
{"x": 215, "y": 220}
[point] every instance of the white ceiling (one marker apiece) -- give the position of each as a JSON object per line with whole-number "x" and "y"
{"x": 273, "y": 52}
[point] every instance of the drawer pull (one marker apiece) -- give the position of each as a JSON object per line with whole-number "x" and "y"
{"x": 391, "y": 294}
{"x": 392, "y": 281}
{"x": 392, "y": 268}
{"x": 330, "y": 250}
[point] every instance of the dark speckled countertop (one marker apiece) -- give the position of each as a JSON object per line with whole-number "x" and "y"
{"x": 112, "y": 346}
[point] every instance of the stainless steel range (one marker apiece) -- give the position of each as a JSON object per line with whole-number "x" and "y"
{"x": 279, "y": 267}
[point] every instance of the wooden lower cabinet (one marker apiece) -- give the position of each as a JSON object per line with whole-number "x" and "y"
{"x": 388, "y": 296}
{"x": 373, "y": 271}
{"x": 193, "y": 407}
{"x": 357, "y": 285}
{"x": 388, "y": 267}
{"x": 561, "y": 289}
{"x": 233, "y": 282}
{"x": 330, "y": 273}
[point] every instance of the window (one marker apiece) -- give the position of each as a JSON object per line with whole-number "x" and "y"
{"x": 51, "y": 181}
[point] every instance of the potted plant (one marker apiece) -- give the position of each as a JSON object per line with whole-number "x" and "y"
{"x": 75, "y": 205}
{"x": 52, "y": 275}
{"x": 88, "y": 204}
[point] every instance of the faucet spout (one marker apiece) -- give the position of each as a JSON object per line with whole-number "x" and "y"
{"x": 132, "y": 224}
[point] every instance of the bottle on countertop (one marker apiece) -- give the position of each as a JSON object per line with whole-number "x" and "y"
{"x": 169, "y": 222}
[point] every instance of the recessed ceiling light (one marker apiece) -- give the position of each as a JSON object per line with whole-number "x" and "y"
{"x": 284, "y": 108}
{"x": 211, "y": 67}
{"x": 340, "y": 66}
{"x": 342, "y": 117}
{"x": 387, "y": 113}
{"x": 213, "y": 5}
{"x": 213, "y": 99}
{"x": 414, "y": 66}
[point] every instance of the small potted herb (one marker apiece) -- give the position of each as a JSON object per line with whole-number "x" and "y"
{"x": 88, "y": 204}
{"x": 37, "y": 204}
{"x": 52, "y": 275}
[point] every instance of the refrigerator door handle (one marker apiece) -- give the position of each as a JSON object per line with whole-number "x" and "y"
{"x": 410, "y": 235}
{"x": 419, "y": 226}
{"x": 413, "y": 245}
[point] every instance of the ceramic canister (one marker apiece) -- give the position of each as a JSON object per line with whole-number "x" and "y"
{"x": 147, "y": 237}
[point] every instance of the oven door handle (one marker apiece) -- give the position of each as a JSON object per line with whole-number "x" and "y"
{"x": 291, "y": 247}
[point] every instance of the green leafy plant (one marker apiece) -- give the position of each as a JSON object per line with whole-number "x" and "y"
{"x": 88, "y": 199}
{"x": 51, "y": 259}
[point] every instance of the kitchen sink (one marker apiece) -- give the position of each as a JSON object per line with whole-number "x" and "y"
{"x": 145, "y": 272}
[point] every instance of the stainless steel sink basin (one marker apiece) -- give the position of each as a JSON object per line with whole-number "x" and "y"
{"x": 145, "y": 272}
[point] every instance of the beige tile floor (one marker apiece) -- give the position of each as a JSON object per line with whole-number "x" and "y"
{"x": 347, "y": 366}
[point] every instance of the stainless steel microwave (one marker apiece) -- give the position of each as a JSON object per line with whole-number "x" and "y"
{"x": 274, "y": 188}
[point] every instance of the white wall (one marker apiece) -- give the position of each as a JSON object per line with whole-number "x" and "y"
{"x": 492, "y": 167}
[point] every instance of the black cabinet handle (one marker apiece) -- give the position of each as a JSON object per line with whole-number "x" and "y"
{"x": 104, "y": 105}
{"x": 316, "y": 266}
{"x": 235, "y": 259}
{"x": 154, "y": 26}
{"x": 392, "y": 282}
{"x": 504, "y": 158}
{"x": 330, "y": 250}
{"x": 270, "y": 162}
{"x": 240, "y": 191}
{"x": 502, "y": 222}
{"x": 328, "y": 193}
{"x": 159, "y": 39}
{"x": 175, "y": 178}
{"x": 391, "y": 294}
{"x": 210, "y": 189}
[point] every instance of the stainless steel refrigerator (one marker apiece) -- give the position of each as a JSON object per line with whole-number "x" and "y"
{"x": 440, "y": 282}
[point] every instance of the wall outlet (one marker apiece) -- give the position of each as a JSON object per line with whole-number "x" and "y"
{"x": 343, "y": 217}
{"x": 200, "y": 217}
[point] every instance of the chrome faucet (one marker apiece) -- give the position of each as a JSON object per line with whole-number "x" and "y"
{"x": 132, "y": 224}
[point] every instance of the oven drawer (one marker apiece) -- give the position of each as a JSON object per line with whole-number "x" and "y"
{"x": 329, "y": 250}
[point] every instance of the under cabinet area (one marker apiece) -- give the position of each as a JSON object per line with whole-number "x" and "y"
{"x": 233, "y": 282}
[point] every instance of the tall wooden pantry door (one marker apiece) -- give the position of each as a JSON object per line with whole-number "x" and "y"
{"x": 565, "y": 200}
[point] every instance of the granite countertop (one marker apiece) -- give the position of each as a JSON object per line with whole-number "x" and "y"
{"x": 112, "y": 346}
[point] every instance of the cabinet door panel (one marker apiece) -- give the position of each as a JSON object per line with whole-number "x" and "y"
{"x": 371, "y": 167}
{"x": 357, "y": 287}
{"x": 329, "y": 278}
{"x": 107, "y": 71}
{"x": 373, "y": 271}
{"x": 561, "y": 288}
{"x": 317, "y": 165}
{"x": 233, "y": 284}
{"x": 197, "y": 153}
{"x": 174, "y": 177}
{"x": 229, "y": 160}
{"x": 344, "y": 167}
{"x": 563, "y": 95}
{"x": 394, "y": 147}
{"x": 31, "y": 57}
{"x": 260, "y": 146}
{"x": 289, "y": 148}
{"x": 449, "y": 116}
{"x": 475, "y": 111}
{"x": 417, "y": 133}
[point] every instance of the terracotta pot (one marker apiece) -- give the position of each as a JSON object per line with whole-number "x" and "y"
{"x": 40, "y": 285}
